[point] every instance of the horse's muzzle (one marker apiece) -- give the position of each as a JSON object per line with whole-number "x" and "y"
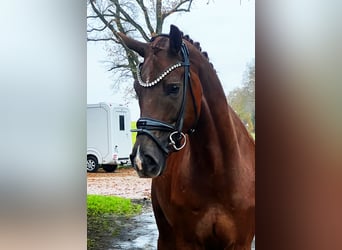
{"x": 146, "y": 165}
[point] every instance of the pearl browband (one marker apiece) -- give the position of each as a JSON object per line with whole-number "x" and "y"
{"x": 165, "y": 73}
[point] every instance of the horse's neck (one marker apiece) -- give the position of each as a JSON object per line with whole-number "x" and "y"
{"x": 216, "y": 125}
{"x": 217, "y": 131}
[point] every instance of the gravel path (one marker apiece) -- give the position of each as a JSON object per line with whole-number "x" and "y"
{"x": 124, "y": 182}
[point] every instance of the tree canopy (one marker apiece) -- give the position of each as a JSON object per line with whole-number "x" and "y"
{"x": 242, "y": 99}
{"x": 140, "y": 19}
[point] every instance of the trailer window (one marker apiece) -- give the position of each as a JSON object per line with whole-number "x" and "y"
{"x": 122, "y": 122}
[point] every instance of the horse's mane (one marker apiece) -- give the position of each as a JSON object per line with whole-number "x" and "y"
{"x": 197, "y": 45}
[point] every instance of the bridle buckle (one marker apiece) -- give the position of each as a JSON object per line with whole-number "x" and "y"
{"x": 173, "y": 143}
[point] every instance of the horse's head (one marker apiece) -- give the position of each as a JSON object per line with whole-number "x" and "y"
{"x": 169, "y": 99}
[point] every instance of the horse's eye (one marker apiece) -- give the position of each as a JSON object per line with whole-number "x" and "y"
{"x": 172, "y": 89}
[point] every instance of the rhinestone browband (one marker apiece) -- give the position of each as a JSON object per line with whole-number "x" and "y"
{"x": 165, "y": 73}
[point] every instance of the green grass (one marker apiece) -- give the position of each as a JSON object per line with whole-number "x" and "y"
{"x": 104, "y": 214}
{"x": 98, "y": 204}
{"x": 134, "y": 135}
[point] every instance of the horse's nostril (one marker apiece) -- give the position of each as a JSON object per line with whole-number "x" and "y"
{"x": 152, "y": 166}
{"x": 149, "y": 161}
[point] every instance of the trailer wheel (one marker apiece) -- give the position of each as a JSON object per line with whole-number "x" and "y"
{"x": 109, "y": 168}
{"x": 92, "y": 164}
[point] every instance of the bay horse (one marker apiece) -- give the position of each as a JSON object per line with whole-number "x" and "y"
{"x": 194, "y": 147}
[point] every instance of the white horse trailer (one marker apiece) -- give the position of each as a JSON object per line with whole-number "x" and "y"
{"x": 109, "y": 141}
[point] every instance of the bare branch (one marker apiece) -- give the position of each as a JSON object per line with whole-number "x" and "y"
{"x": 177, "y": 8}
{"x": 92, "y": 17}
{"x": 147, "y": 18}
{"x": 94, "y": 29}
{"x": 100, "y": 29}
{"x": 101, "y": 39}
{"x": 159, "y": 17}
{"x": 107, "y": 8}
{"x": 119, "y": 66}
{"x": 111, "y": 27}
{"x": 130, "y": 19}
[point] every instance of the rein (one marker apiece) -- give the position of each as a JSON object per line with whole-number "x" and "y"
{"x": 145, "y": 125}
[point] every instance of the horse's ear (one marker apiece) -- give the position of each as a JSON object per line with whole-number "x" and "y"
{"x": 132, "y": 44}
{"x": 175, "y": 40}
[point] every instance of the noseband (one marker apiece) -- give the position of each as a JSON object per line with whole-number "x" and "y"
{"x": 145, "y": 125}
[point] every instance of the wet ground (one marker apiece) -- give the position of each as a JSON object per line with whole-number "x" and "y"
{"x": 117, "y": 232}
{"x": 140, "y": 232}
{"x": 136, "y": 233}
{"x": 112, "y": 232}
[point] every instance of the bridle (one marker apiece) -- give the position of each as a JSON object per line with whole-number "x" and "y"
{"x": 145, "y": 125}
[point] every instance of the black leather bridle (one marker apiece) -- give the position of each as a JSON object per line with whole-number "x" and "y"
{"x": 145, "y": 125}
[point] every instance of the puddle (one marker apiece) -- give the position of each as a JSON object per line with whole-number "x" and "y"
{"x": 139, "y": 232}
{"x": 143, "y": 236}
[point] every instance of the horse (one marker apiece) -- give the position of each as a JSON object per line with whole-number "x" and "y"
{"x": 194, "y": 147}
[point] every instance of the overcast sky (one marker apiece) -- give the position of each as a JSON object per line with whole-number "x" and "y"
{"x": 225, "y": 29}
